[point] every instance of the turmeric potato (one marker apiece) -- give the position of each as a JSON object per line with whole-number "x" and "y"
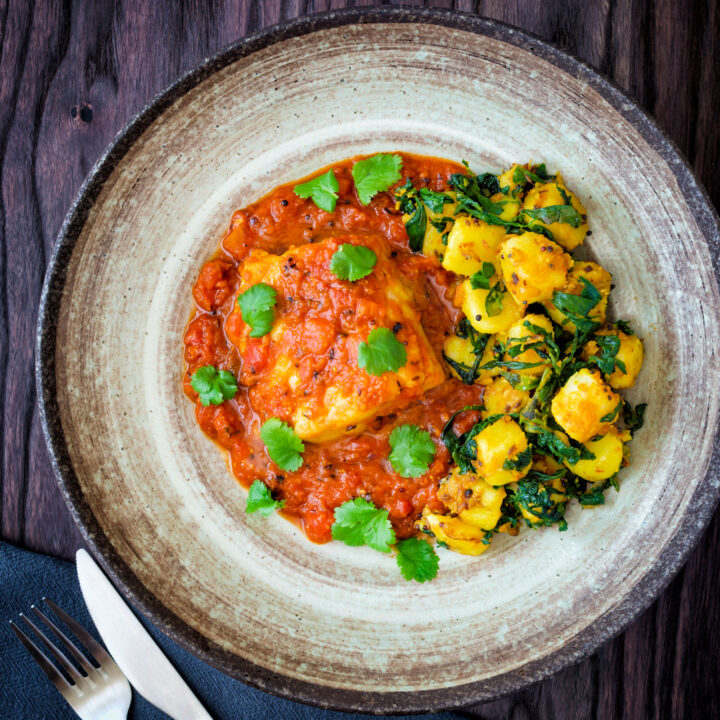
{"x": 433, "y": 242}
{"x": 476, "y": 501}
{"x": 455, "y": 533}
{"x": 520, "y": 335}
{"x": 586, "y": 405}
{"x": 498, "y": 447}
{"x": 506, "y": 181}
{"x": 597, "y": 276}
{"x": 511, "y": 205}
{"x": 556, "y": 193}
{"x": 630, "y": 354}
{"x": 474, "y": 304}
{"x": 533, "y": 267}
{"x": 502, "y": 398}
{"x": 470, "y": 243}
{"x": 608, "y": 452}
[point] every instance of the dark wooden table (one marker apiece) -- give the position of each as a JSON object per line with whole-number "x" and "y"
{"x": 73, "y": 73}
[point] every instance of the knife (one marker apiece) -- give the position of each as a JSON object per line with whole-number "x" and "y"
{"x": 132, "y": 648}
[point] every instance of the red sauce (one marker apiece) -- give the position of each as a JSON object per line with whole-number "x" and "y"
{"x": 350, "y": 467}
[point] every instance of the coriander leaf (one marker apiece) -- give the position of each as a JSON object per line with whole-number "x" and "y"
{"x": 352, "y": 262}
{"x": 382, "y": 352}
{"x": 412, "y": 450}
{"x": 566, "y": 214}
{"x": 481, "y": 279}
{"x": 283, "y": 444}
{"x": 322, "y": 189}
{"x": 358, "y": 522}
{"x": 257, "y": 307}
{"x": 213, "y": 386}
{"x": 260, "y": 500}
{"x": 375, "y": 174}
{"x": 417, "y": 559}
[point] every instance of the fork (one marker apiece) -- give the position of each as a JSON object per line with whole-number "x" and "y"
{"x": 96, "y": 693}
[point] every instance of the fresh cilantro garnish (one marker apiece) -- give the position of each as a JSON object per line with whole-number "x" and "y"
{"x": 322, "y": 189}
{"x": 283, "y": 444}
{"x": 566, "y": 214}
{"x": 213, "y": 386}
{"x": 359, "y": 522}
{"x": 412, "y": 450}
{"x": 417, "y": 559}
{"x": 375, "y": 174}
{"x": 352, "y": 262}
{"x": 382, "y": 352}
{"x": 260, "y": 500}
{"x": 257, "y": 306}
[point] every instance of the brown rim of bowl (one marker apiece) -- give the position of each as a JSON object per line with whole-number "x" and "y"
{"x": 702, "y": 504}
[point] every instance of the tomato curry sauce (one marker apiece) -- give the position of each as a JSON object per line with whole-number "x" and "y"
{"x": 317, "y": 345}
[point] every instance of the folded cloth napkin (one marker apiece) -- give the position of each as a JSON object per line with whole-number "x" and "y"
{"x": 26, "y": 694}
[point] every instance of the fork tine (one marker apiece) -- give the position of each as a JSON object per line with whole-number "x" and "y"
{"x": 94, "y": 647}
{"x": 55, "y": 677}
{"x": 82, "y": 660}
{"x": 69, "y": 668}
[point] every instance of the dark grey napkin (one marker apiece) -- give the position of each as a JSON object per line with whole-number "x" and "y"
{"x": 26, "y": 694}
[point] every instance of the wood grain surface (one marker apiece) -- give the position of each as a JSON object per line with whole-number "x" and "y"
{"x": 72, "y": 74}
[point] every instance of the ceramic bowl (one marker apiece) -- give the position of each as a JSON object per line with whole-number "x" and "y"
{"x": 333, "y": 625}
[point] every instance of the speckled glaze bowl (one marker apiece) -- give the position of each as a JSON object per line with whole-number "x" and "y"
{"x": 333, "y": 625}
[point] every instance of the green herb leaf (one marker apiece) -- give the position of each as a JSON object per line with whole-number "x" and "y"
{"x": 624, "y": 326}
{"x": 358, "y": 522}
{"x": 260, "y": 500}
{"x": 213, "y": 386}
{"x": 382, "y": 352}
{"x": 352, "y": 262}
{"x": 494, "y": 301}
{"x": 610, "y": 417}
{"x": 257, "y": 307}
{"x": 566, "y": 214}
{"x": 412, "y": 450}
{"x": 481, "y": 279}
{"x": 283, "y": 444}
{"x": 434, "y": 200}
{"x": 634, "y": 417}
{"x": 375, "y": 174}
{"x": 521, "y": 175}
{"x": 322, "y": 189}
{"x": 417, "y": 559}
{"x": 521, "y": 460}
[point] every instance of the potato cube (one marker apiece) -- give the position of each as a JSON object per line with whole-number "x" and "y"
{"x": 533, "y": 267}
{"x": 455, "y": 533}
{"x": 555, "y": 193}
{"x": 471, "y": 242}
{"x": 608, "y": 452}
{"x": 501, "y": 441}
{"x": 474, "y": 304}
{"x": 586, "y": 405}
{"x": 520, "y": 334}
{"x": 630, "y": 354}
{"x": 597, "y": 276}
{"x": 502, "y": 398}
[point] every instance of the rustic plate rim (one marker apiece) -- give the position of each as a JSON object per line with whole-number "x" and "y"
{"x": 642, "y": 594}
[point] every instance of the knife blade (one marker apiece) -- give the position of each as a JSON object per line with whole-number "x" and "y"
{"x": 132, "y": 648}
